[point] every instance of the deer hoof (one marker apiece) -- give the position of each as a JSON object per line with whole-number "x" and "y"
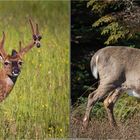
{"x": 114, "y": 125}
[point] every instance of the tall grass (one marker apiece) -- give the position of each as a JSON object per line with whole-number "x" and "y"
{"x": 38, "y": 106}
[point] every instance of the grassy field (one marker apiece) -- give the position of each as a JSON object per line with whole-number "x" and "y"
{"x": 38, "y": 106}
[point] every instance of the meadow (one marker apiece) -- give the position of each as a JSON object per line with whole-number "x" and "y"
{"x": 38, "y": 106}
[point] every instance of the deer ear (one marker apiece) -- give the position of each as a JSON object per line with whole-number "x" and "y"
{"x": 14, "y": 53}
{"x": 1, "y": 59}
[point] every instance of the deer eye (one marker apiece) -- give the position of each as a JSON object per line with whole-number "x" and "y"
{"x": 20, "y": 62}
{"x": 6, "y": 63}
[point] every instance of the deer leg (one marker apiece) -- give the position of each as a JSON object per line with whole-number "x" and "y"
{"x": 88, "y": 108}
{"x": 93, "y": 98}
{"x": 109, "y": 103}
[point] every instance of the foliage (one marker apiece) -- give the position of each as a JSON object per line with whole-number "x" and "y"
{"x": 108, "y": 23}
{"x": 38, "y": 106}
{"x": 94, "y": 25}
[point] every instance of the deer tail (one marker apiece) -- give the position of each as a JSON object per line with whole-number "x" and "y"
{"x": 93, "y": 65}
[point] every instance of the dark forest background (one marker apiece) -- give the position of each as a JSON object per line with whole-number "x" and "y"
{"x": 96, "y": 24}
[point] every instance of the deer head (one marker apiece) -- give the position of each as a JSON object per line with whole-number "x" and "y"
{"x": 12, "y": 63}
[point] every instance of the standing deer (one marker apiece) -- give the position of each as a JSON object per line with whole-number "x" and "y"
{"x": 12, "y": 63}
{"x": 119, "y": 71}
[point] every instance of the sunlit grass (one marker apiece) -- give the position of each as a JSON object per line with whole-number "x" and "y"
{"x": 38, "y": 106}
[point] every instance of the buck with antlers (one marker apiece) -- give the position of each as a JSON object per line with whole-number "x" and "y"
{"x": 119, "y": 72}
{"x": 12, "y": 63}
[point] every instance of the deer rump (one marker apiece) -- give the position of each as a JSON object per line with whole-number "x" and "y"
{"x": 119, "y": 67}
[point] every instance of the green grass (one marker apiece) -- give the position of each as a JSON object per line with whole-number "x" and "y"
{"x": 38, "y": 106}
{"x": 125, "y": 108}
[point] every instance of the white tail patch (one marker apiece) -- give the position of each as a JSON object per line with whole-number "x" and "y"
{"x": 95, "y": 72}
{"x": 94, "y": 68}
{"x": 133, "y": 93}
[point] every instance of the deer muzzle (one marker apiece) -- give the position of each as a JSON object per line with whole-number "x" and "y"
{"x": 16, "y": 72}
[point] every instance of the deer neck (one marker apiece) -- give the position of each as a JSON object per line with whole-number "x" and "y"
{"x": 7, "y": 82}
{"x": 13, "y": 79}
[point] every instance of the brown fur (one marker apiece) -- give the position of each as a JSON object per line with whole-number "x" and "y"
{"x": 12, "y": 63}
{"x": 5, "y": 88}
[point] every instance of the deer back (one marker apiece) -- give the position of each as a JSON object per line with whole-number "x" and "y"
{"x": 117, "y": 64}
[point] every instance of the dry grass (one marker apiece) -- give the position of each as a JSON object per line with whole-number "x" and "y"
{"x": 100, "y": 129}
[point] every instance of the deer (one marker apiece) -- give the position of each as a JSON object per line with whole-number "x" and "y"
{"x": 12, "y": 64}
{"x": 118, "y": 68}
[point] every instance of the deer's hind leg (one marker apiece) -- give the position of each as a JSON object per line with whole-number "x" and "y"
{"x": 109, "y": 103}
{"x": 95, "y": 96}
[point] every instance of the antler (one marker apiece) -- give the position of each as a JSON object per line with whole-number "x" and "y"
{"x": 35, "y": 41}
{"x": 26, "y": 49}
{"x": 20, "y": 46}
{"x": 37, "y": 31}
{"x": 32, "y": 27}
{"x": 2, "y": 51}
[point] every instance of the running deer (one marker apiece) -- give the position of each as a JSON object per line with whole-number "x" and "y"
{"x": 12, "y": 63}
{"x": 119, "y": 71}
